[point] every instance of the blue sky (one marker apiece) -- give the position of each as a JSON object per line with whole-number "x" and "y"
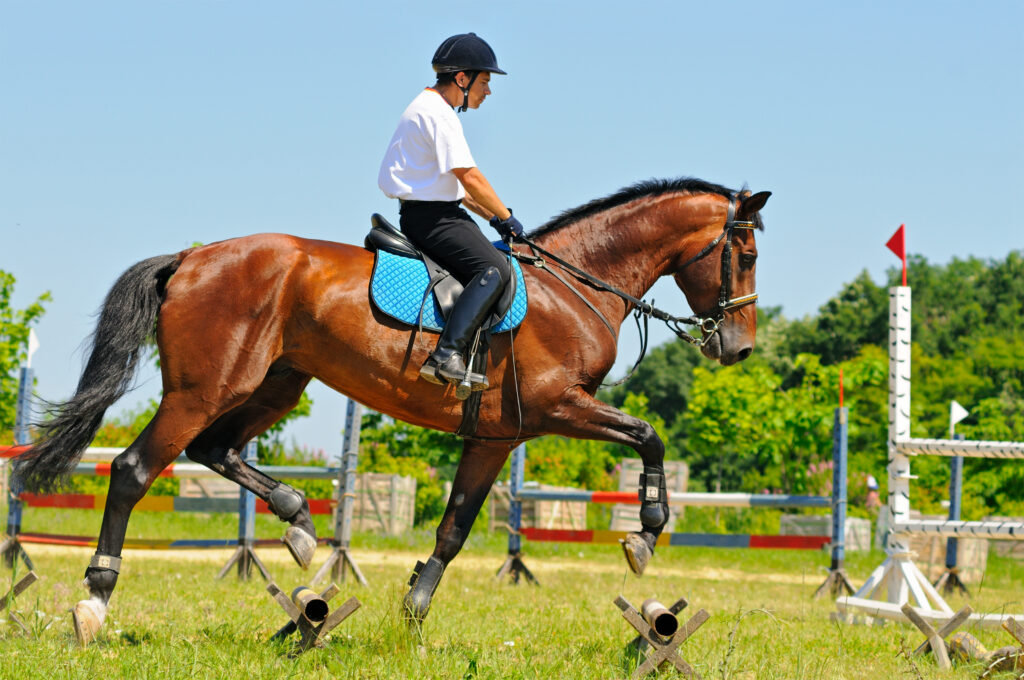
{"x": 130, "y": 129}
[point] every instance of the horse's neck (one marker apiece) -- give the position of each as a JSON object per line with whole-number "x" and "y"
{"x": 631, "y": 246}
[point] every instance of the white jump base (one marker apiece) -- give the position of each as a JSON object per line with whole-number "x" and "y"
{"x": 884, "y": 610}
{"x": 894, "y": 582}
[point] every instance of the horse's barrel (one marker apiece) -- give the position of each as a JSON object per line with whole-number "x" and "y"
{"x": 659, "y": 617}
{"x": 312, "y": 606}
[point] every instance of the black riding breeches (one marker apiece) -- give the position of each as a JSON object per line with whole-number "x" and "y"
{"x": 446, "y": 232}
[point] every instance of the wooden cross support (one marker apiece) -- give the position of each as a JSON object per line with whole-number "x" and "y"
{"x": 312, "y": 631}
{"x": 11, "y": 549}
{"x": 7, "y": 600}
{"x": 663, "y": 650}
{"x": 936, "y": 639}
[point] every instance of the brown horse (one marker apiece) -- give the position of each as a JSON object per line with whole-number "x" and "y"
{"x": 243, "y": 325}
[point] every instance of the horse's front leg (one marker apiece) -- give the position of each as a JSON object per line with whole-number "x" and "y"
{"x": 478, "y": 468}
{"x": 581, "y": 416}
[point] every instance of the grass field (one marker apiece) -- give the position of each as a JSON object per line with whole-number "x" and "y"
{"x": 171, "y": 618}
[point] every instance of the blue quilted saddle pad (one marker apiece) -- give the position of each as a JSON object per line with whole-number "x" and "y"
{"x": 398, "y": 285}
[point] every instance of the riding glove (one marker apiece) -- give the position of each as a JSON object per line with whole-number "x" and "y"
{"x": 507, "y": 228}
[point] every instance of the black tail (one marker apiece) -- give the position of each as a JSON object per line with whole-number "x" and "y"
{"x": 127, "y": 319}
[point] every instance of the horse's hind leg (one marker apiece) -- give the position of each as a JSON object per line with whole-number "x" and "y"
{"x": 478, "y": 468}
{"x": 581, "y": 416}
{"x": 131, "y": 475}
{"x": 218, "y": 448}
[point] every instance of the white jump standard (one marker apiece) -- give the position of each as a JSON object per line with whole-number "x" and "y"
{"x": 898, "y": 576}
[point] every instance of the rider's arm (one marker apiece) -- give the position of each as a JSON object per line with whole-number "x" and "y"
{"x": 480, "y": 195}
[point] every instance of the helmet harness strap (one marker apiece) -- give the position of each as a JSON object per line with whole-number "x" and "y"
{"x": 465, "y": 90}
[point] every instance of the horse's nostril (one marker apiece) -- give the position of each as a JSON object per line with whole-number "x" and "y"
{"x": 745, "y": 352}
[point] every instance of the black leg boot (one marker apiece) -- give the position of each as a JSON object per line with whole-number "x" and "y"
{"x": 447, "y": 363}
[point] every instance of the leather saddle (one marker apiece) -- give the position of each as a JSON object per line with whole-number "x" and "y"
{"x": 445, "y": 287}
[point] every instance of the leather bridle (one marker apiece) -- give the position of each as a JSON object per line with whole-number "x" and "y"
{"x": 708, "y": 323}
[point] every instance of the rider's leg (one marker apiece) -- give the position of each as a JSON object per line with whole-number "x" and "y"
{"x": 448, "y": 234}
{"x": 448, "y": 360}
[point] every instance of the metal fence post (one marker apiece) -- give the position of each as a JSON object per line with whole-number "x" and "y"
{"x": 837, "y": 580}
{"x": 950, "y": 579}
{"x": 11, "y": 547}
{"x": 245, "y": 554}
{"x": 340, "y": 558}
{"x": 514, "y": 565}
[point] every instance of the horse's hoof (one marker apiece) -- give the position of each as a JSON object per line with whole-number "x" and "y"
{"x": 638, "y": 553}
{"x": 87, "y": 617}
{"x": 301, "y": 545}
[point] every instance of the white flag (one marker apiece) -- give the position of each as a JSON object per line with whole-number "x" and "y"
{"x": 33, "y": 345}
{"x": 956, "y": 414}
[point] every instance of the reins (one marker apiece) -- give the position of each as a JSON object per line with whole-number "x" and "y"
{"x": 644, "y": 310}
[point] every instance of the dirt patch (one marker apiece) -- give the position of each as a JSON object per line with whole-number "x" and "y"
{"x": 406, "y": 559}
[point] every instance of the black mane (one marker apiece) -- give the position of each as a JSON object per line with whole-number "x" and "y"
{"x": 651, "y": 187}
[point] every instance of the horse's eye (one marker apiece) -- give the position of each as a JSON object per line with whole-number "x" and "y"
{"x": 747, "y": 260}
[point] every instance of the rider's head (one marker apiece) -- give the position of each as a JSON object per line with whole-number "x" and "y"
{"x": 465, "y": 62}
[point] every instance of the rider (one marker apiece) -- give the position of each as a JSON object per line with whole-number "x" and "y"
{"x": 429, "y": 168}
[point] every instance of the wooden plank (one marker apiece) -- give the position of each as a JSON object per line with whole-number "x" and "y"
{"x": 938, "y": 645}
{"x": 948, "y": 627}
{"x": 1014, "y": 628}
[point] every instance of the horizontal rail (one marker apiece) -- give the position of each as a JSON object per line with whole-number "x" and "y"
{"x": 956, "y": 447}
{"x": 160, "y": 503}
{"x": 197, "y": 471}
{"x": 1006, "y": 531}
{"x": 151, "y": 543}
{"x": 680, "y": 539}
{"x": 93, "y": 453}
{"x": 722, "y": 500}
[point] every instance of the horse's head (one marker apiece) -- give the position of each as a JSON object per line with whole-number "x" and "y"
{"x": 718, "y": 282}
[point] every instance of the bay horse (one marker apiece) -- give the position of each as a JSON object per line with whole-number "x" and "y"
{"x": 243, "y": 325}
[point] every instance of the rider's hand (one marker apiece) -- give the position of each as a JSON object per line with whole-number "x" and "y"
{"x": 508, "y": 228}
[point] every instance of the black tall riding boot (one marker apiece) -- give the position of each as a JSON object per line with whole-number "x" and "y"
{"x": 447, "y": 362}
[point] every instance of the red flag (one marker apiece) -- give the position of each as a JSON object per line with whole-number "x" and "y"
{"x": 897, "y": 244}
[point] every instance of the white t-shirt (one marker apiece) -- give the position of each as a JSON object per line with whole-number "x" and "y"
{"x": 426, "y": 146}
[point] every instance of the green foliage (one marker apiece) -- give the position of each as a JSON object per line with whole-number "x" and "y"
{"x": 120, "y": 432}
{"x": 15, "y": 325}
{"x": 766, "y": 424}
{"x": 590, "y": 464}
{"x": 277, "y": 453}
{"x": 428, "y": 456}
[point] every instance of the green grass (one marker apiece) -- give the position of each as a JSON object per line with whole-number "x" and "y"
{"x": 170, "y": 617}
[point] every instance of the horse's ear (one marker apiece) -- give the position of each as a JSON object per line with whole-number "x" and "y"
{"x": 754, "y": 203}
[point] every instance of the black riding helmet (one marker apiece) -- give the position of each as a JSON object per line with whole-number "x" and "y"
{"x": 469, "y": 53}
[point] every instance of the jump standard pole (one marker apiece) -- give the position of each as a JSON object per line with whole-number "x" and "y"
{"x": 10, "y": 546}
{"x": 837, "y": 580}
{"x": 514, "y": 565}
{"x": 245, "y": 556}
{"x": 340, "y": 558}
{"x": 950, "y": 580}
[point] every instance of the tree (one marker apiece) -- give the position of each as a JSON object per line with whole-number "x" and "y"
{"x": 15, "y": 325}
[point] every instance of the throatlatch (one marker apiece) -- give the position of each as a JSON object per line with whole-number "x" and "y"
{"x": 653, "y": 497}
